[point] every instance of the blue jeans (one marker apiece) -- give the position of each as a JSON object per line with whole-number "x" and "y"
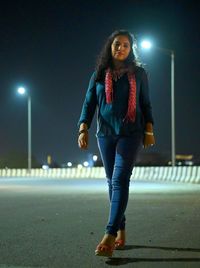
{"x": 118, "y": 154}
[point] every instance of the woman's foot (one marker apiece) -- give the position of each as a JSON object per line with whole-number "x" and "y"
{"x": 106, "y": 246}
{"x": 120, "y": 239}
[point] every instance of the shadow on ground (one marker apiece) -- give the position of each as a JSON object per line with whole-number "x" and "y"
{"x": 122, "y": 261}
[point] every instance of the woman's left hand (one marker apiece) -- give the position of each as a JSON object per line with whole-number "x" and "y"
{"x": 149, "y": 140}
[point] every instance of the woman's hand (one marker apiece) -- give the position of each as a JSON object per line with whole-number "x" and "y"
{"x": 83, "y": 136}
{"x": 83, "y": 140}
{"x": 149, "y": 140}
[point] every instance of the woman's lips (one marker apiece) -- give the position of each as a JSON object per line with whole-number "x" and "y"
{"x": 120, "y": 53}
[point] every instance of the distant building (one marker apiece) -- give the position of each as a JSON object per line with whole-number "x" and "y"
{"x": 184, "y": 159}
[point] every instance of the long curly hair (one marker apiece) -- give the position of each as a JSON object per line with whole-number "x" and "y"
{"x": 104, "y": 59}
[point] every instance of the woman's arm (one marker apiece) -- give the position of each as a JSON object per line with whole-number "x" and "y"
{"x": 89, "y": 104}
{"x": 145, "y": 102}
{"x": 149, "y": 138}
{"x": 87, "y": 113}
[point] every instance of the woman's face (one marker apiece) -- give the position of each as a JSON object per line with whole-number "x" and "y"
{"x": 120, "y": 48}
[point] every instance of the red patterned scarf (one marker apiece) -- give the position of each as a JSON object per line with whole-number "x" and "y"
{"x": 131, "y": 111}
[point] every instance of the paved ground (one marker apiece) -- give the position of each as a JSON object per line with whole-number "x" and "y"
{"x": 58, "y": 223}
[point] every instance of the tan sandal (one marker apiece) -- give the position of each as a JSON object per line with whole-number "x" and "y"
{"x": 119, "y": 244}
{"x": 104, "y": 250}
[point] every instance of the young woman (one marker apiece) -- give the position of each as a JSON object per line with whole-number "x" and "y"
{"x": 119, "y": 90}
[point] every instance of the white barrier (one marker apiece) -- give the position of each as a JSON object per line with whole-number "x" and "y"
{"x": 189, "y": 174}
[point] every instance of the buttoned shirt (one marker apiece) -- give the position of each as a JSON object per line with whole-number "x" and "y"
{"x": 110, "y": 117}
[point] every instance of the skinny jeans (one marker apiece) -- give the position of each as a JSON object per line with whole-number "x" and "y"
{"x": 118, "y": 155}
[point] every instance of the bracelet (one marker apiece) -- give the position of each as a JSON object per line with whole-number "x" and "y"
{"x": 148, "y": 133}
{"x": 82, "y": 131}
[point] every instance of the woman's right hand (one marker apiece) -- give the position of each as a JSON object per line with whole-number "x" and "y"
{"x": 83, "y": 140}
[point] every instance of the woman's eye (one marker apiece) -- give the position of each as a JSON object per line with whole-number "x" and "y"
{"x": 117, "y": 44}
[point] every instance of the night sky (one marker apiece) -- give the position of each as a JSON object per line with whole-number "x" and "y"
{"x": 50, "y": 47}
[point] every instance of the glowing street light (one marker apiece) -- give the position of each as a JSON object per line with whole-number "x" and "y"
{"x": 86, "y": 164}
{"x": 79, "y": 166}
{"x": 147, "y": 45}
{"x": 95, "y": 157}
{"x": 22, "y": 91}
{"x": 69, "y": 164}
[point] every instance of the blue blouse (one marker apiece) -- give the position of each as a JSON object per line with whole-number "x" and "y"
{"x": 110, "y": 116}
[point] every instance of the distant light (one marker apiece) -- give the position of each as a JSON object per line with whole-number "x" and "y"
{"x": 45, "y": 167}
{"x": 79, "y": 166}
{"x": 69, "y": 164}
{"x": 95, "y": 157}
{"x": 86, "y": 164}
{"x": 189, "y": 163}
{"x": 146, "y": 44}
{"x": 21, "y": 90}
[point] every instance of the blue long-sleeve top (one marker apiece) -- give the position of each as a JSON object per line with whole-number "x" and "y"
{"x": 110, "y": 116}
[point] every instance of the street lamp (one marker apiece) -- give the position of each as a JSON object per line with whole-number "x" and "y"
{"x": 22, "y": 91}
{"x": 147, "y": 45}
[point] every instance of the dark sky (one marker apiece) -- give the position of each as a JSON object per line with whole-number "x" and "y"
{"x": 50, "y": 47}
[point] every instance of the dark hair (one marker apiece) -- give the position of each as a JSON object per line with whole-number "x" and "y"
{"x": 104, "y": 59}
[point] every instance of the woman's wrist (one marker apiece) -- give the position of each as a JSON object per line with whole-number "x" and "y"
{"x": 82, "y": 131}
{"x": 83, "y": 126}
{"x": 150, "y": 133}
{"x": 149, "y": 129}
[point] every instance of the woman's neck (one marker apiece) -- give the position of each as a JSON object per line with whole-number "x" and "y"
{"x": 118, "y": 64}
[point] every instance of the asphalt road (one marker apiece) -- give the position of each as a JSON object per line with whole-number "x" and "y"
{"x": 58, "y": 222}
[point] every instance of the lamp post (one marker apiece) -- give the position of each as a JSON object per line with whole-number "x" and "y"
{"x": 22, "y": 91}
{"x": 148, "y": 45}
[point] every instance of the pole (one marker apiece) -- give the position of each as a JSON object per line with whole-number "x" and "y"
{"x": 29, "y": 133}
{"x": 173, "y": 145}
{"x": 173, "y": 150}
